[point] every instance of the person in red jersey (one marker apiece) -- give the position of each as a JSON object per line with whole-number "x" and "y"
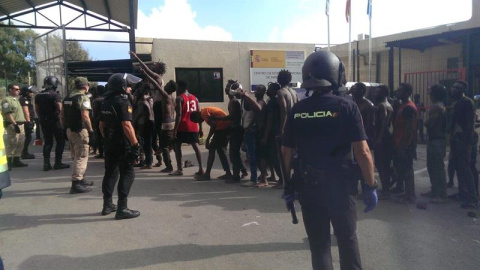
{"x": 186, "y": 131}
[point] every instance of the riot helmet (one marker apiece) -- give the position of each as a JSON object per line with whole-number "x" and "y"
{"x": 51, "y": 82}
{"x": 323, "y": 69}
{"x": 28, "y": 89}
{"x": 118, "y": 83}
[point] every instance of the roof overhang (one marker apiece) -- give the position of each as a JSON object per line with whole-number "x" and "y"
{"x": 112, "y": 11}
{"x": 424, "y": 42}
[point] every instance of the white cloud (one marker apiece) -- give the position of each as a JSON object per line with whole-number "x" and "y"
{"x": 176, "y": 20}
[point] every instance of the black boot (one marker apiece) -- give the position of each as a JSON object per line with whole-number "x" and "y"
{"x": 16, "y": 163}
{"x": 28, "y": 156}
{"x": 78, "y": 188}
{"x": 9, "y": 163}
{"x": 108, "y": 207}
{"x": 86, "y": 183}
{"x": 123, "y": 212}
{"x": 47, "y": 166}
{"x": 59, "y": 165}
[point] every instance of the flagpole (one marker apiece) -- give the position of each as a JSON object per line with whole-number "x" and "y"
{"x": 370, "y": 53}
{"x": 350, "y": 45}
{"x": 327, "y": 12}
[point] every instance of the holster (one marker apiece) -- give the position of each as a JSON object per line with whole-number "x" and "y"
{"x": 6, "y": 124}
{"x": 313, "y": 176}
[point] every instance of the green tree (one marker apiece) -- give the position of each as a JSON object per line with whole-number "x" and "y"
{"x": 17, "y": 54}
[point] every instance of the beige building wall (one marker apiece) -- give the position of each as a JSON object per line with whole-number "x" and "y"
{"x": 232, "y": 57}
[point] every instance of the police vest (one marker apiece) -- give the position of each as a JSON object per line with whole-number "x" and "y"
{"x": 4, "y": 175}
{"x": 72, "y": 114}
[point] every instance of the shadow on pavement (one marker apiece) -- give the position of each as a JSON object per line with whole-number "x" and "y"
{"x": 129, "y": 259}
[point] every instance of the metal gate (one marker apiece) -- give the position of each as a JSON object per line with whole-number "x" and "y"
{"x": 421, "y": 81}
{"x": 51, "y": 57}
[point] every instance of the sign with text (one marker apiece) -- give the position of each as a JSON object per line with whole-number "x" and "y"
{"x": 265, "y": 66}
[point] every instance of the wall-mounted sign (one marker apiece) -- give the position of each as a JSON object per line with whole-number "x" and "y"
{"x": 265, "y": 65}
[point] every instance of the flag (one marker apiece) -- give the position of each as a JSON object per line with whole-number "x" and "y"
{"x": 369, "y": 8}
{"x": 327, "y": 8}
{"x": 347, "y": 11}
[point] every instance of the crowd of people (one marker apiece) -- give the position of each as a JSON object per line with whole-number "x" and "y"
{"x": 253, "y": 123}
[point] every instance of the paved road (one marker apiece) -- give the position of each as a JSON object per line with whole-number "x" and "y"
{"x": 210, "y": 225}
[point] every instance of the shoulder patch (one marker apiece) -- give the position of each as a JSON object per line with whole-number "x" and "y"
{"x": 86, "y": 104}
{"x": 129, "y": 109}
{"x": 26, "y": 101}
{"x": 6, "y": 105}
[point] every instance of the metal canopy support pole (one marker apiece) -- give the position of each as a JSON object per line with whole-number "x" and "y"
{"x": 132, "y": 27}
{"x": 399, "y": 64}
{"x": 390, "y": 68}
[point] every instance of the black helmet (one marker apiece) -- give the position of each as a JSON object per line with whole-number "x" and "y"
{"x": 28, "y": 89}
{"x": 118, "y": 82}
{"x": 51, "y": 82}
{"x": 323, "y": 68}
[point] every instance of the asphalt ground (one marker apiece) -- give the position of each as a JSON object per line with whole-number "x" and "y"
{"x": 211, "y": 225}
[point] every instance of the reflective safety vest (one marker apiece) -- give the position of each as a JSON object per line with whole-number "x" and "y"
{"x": 4, "y": 174}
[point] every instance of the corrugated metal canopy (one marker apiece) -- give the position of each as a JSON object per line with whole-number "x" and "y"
{"x": 117, "y": 10}
{"x": 425, "y": 42}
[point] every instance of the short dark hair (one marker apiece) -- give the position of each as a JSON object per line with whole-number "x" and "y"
{"x": 196, "y": 117}
{"x": 384, "y": 90}
{"x": 408, "y": 88}
{"x": 171, "y": 86}
{"x": 159, "y": 68}
{"x": 260, "y": 87}
{"x": 10, "y": 86}
{"x": 463, "y": 82}
{"x": 437, "y": 91}
{"x": 362, "y": 87}
{"x": 182, "y": 84}
{"x": 284, "y": 77}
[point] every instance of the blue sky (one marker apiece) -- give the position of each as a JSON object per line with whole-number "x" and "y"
{"x": 291, "y": 21}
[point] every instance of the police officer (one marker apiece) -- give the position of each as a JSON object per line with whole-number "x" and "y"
{"x": 29, "y": 112}
{"x": 76, "y": 119}
{"x": 13, "y": 120}
{"x": 322, "y": 130}
{"x": 48, "y": 105}
{"x": 121, "y": 148}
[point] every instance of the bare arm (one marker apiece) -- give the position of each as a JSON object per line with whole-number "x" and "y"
{"x": 157, "y": 86}
{"x": 283, "y": 110}
{"x": 10, "y": 118}
{"x": 364, "y": 159}
{"x": 129, "y": 132}
{"x": 60, "y": 109}
{"x": 178, "y": 112}
{"x": 86, "y": 120}
{"x": 250, "y": 102}
{"x": 26, "y": 113}
{"x": 101, "y": 125}
{"x": 144, "y": 67}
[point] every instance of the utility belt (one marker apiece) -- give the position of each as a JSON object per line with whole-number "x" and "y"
{"x": 113, "y": 137}
{"x": 308, "y": 176}
{"x": 6, "y": 123}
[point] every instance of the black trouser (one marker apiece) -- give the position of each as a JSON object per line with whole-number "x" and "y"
{"x": 461, "y": 158}
{"x": 403, "y": 162}
{"x": 38, "y": 134}
{"x": 28, "y": 137}
{"x": 326, "y": 202}
{"x": 99, "y": 141}
{"x": 383, "y": 159}
{"x": 50, "y": 130}
{"x": 218, "y": 144}
{"x": 272, "y": 155}
{"x": 117, "y": 165}
{"x": 148, "y": 133}
{"x": 236, "y": 139}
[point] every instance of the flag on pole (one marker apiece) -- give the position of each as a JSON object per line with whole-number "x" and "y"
{"x": 347, "y": 10}
{"x": 369, "y": 8}
{"x": 327, "y": 8}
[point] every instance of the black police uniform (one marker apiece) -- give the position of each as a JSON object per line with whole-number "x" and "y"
{"x": 49, "y": 116}
{"x": 115, "y": 109}
{"x": 27, "y": 101}
{"x": 321, "y": 129}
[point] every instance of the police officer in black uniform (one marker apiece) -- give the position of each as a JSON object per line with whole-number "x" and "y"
{"x": 121, "y": 148}
{"x": 48, "y": 105}
{"x": 26, "y": 100}
{"x": 323, "y": 130}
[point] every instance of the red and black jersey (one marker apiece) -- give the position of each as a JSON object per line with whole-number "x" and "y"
{"x": 190, "y": 104}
